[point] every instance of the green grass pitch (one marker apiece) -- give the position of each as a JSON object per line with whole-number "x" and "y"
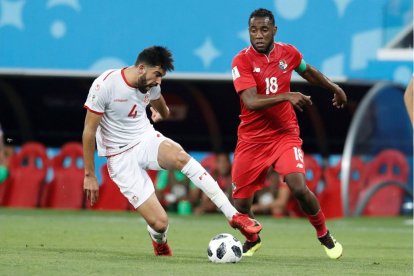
{"x": 50, "y": 242}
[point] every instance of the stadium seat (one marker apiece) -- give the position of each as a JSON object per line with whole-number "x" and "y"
{"x": 209, "y": 163}
{"x": 388, "y": 165}
{"x": 153, "y": 175}
{"x": 330, "y": 198}
{"x": 110, "y": 198}
{"x": 27, "y": 175}
{"x": 313, "y": 176}
{"x": 3, "y": 187}
{"x": 66, "y": 189}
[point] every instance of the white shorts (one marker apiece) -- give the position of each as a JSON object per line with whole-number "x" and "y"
{"x": 128, "y": 169}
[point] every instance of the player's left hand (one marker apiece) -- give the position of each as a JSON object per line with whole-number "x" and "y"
{"x": 339, "y": 100}
{"x": 91, "y": 189}
{"x": 156, "y": 116}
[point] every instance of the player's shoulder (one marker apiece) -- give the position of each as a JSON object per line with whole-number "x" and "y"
{"x": 108, "y": 78}
{"x": 243, "y": 55}
{"x": 108, "y": 75}
{"x": 286, "y": 47}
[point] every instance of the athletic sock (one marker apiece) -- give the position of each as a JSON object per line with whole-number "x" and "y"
{"x": 318, "y": 221}
{"x": 203, "y": 180}
{"x": 156, "y": 236}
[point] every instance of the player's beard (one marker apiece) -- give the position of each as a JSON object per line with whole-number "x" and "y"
{"x": 266, "y": 50}
{"x": 142, "y": 84}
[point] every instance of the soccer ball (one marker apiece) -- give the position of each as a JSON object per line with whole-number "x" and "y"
{"x": 224, "y": 248}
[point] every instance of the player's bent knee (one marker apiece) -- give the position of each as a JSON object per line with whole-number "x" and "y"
{"x": 300, "y": 192}
{"x": 182, "y": 159}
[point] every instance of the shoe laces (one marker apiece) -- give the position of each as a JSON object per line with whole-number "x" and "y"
{"x": 245, "y": 220}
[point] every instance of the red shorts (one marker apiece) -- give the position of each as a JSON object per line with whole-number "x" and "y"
{"x": 252, "y": 161}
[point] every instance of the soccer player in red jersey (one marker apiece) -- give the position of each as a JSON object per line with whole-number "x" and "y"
{"x": 268, "y": 134}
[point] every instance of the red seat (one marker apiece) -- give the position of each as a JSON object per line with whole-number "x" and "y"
{"x": 3, "y": 187}
{"x": 388, "y": 165}
{"x": 330, "y": 198}
{"x": 66, "y": 189}
{"x": 153, "y": 175}
{"x": 209, "y": 163}
{"x": 27, "y": 175}
{"x": 313, "y": 176}
{"x": 110, "y": 197}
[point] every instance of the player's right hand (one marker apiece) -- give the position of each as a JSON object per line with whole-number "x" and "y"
{"x": 91, "y": 188}
{"x": 298, "y": 100}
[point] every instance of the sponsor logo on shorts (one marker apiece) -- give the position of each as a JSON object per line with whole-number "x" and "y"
{"x": 134, "y": 199}
{"x": 299, "y": 165}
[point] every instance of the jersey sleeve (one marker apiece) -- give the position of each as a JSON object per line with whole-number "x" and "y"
{"x": 155, "y": 93}
{"x": 242, "y": 74}
{"x": 98, "y": 98}
{"x": 297, "y": 56}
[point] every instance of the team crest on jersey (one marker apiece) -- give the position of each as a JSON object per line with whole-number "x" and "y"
{"x": 282, "y": 65}
{"x": 146, "y": 98}
{"x": 97, "y": 87}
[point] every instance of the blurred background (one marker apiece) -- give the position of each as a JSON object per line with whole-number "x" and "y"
{"x": 359, "y": 159}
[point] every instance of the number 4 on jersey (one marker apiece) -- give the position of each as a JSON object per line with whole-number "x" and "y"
{"x": 133, "y": 113}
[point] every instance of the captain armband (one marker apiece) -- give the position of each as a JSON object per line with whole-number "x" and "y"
{"x": 302, "y": 67}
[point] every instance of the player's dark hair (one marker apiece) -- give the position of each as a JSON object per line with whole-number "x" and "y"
{"x": 156, "y": 56}
{"x": 262, "y": 13}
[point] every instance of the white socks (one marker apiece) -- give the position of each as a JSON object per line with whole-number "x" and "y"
{"x": 203, "y": 180}
{"x": 157, "y": 237}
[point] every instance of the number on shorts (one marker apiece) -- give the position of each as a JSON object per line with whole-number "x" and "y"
{"x": 298, "y": 154}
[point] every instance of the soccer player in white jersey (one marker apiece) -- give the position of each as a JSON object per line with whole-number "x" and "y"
{"x": 116, "y": 118}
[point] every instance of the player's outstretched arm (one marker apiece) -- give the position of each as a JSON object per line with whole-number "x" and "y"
{"x": 90, "y": 183}
{"x": 159, "y": 109}
{"x": 313, "y": 76}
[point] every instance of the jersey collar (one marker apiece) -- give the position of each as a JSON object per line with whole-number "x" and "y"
{"x": 271, "y": 56}
{"x": 124, "y": 78}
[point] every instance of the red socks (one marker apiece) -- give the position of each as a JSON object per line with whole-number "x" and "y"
{"x": 318, "y": 221}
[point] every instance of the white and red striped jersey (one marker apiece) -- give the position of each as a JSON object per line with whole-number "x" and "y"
{"x": 123, "y": 108}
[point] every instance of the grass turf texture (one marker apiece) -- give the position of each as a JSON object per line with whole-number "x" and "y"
{"x": 50, "y": 242}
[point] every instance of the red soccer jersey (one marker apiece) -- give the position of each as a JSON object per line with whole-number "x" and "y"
{"x": 270, "y": 75}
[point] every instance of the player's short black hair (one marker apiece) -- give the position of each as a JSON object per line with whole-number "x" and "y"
{"x": 262, "y": 13}
{"x": 156, "y": 56}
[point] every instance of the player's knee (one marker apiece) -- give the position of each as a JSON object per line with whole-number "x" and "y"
{"x": 300, "y": 191}
{"x": 181, "y": 159}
